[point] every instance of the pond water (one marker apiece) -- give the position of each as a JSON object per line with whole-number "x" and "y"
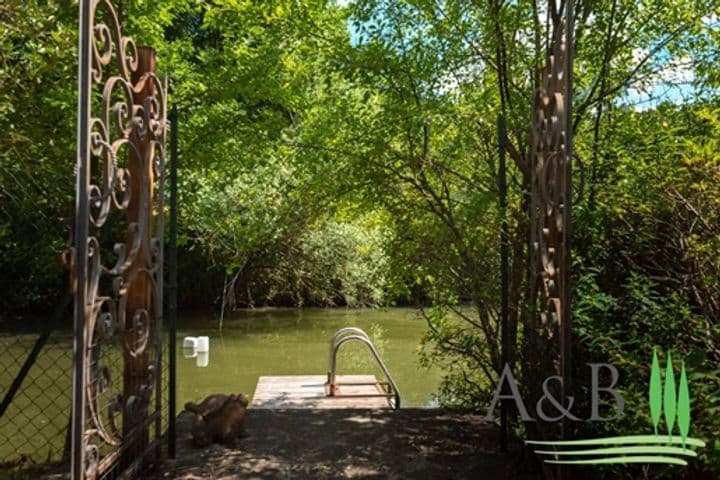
{"x": 253, "y": 343}
{"x": 296, "y": 342}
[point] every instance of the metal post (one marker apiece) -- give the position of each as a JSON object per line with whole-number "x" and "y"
{"x": 161, "y": 284}
{"x": 504, "y": 339}
{"x": 135, "y": 367}
{"x": 566, "y": 334}
{"x": 77, "y": 464}
{"x": 172, "y": 283}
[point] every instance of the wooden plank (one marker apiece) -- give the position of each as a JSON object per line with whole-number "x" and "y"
{"x": 308, "y": 391}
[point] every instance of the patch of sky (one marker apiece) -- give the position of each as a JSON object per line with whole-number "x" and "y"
{"x": 453, "y": 70}
{"x": 672, "y": 78}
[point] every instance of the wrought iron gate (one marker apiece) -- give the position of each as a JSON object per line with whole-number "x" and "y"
{"x": 551, "y": 178}
{"x": 118, "y": 249}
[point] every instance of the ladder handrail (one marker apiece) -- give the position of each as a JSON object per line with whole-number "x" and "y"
{"x": 349, "y": 334}
{"x": 342, "y": 331}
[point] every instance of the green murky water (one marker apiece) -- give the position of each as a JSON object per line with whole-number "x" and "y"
{"x": 252, "y": 343}
{"x": 296, "y": 342}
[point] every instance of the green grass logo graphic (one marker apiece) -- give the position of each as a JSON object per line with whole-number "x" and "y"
{"x": 665, "y": 401}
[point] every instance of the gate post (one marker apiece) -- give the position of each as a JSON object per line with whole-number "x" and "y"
{"x": 81, "y": 231}
{"x": 172, "y": 282}
{"x": 118, "y": 294}
{"x": 139, "y": 292}
{"x": 551, "y": 204}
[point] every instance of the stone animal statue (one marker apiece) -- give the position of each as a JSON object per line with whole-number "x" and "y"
{"x": 218, "y": 418}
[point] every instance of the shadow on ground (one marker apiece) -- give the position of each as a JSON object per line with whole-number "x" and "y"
{"x": 332, "y": 444}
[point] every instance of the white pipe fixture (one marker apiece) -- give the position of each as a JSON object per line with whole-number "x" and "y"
{"x": 197, "y": 348}
{"x": 202, "y": 359}
{"x": 203, "y": 344}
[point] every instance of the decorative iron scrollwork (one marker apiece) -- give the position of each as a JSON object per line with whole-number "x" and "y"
{"x": 123, "y": 170}
{"x": 550, "y": 164}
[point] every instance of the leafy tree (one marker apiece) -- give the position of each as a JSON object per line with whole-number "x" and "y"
{"x": 347, "y": 155}
{"x": 37, "y": 118}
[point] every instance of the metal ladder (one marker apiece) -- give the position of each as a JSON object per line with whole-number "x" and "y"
{"x": 349, "y": 334}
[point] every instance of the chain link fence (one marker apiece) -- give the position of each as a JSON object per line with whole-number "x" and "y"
{"x": 36, "y": 397}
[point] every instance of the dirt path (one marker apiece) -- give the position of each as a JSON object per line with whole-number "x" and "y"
{"x": 334, "y": 444}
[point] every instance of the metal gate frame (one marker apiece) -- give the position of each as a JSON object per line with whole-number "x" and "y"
{"x": 551, "y": 194}
{"x": 118, "y": 304}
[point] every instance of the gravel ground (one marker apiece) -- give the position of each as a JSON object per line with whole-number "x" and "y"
{"x": 334, "y": 444}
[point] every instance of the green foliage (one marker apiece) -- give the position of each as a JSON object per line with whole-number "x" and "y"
{"x": 652, "y": 235}
{"x": 348, "y": 156}
{"x": 454, "y": 343}
{"x": 342, "y": 263}
{"x": 644, "y": 317}
{"x": 37, "y": 118}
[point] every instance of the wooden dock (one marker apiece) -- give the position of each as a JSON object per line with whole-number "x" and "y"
{"x": 308, "y": 391}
